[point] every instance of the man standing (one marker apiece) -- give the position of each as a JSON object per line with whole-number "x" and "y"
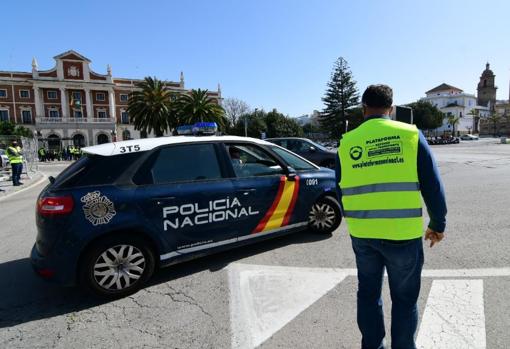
{"x": 16, "y": 159}
{"x": 383, "y": 166}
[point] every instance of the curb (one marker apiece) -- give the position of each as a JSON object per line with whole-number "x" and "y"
{"x": 42, "y": 179}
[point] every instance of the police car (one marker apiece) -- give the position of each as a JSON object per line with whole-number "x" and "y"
{"x": 127, "y": 208}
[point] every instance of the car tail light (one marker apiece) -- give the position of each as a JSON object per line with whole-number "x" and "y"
{"x": 55, "y": 205}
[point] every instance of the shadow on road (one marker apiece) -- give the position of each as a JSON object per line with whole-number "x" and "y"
{"x": 24, "y": 297}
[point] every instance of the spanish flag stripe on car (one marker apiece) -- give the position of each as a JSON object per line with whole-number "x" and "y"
{"x": 280, "y": 211}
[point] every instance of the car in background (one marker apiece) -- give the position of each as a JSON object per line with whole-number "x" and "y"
{"x": 308, "y": 149}
{"x": 469, "y": 137}
{"x": 4, "y": 159}
{"x": 442, "y": 140}
{"x": 127, "y": 208}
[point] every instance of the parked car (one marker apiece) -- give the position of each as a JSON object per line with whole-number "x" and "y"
{"x": 469, "y": 137}
{"x": 308, "y": 149}
{"x": 125, "y": 209}
{"x": 442, "y": 140}
{"x": 4, "y": 160}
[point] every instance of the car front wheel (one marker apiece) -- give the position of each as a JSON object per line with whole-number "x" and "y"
{"x": 325, "y": 215}
{"x": 117, "y": 266}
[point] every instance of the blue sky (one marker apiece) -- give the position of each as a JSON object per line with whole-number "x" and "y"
{"x": 270, "y": 53}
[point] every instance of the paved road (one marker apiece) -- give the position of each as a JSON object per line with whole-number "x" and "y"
{"x": 298, "y": 291}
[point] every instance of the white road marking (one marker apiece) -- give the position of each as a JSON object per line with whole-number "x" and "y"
{"x": 263, "y": 299}
{"x": 454, "y": 316}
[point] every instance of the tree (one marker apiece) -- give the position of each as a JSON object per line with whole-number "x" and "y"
{"x": 234, "y": 108}
{"x": 197, "y": 107}
{"x": 494, "y": 119}
{"x": 453, "y": 121}
{"x": 279, "y": 125}
{"x": 256, "y": 124}
{"x": 354, "y": 117}
{"x": 150, "y": 108}
{"x": 426, "y": 116}
{"x": 340, "y": 95}
{"x": 8, "y": 128}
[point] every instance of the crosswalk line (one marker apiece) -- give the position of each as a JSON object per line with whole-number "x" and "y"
{"x": 454, "y": 316}
{"x": 263, "y": 299}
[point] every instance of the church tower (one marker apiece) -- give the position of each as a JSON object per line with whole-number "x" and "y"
{"x": 487, "y": 89}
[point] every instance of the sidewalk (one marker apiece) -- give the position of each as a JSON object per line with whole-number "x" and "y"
{"x": 6, "y": 187}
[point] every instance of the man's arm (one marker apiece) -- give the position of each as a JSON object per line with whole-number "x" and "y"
{"x": 431, "y": 187}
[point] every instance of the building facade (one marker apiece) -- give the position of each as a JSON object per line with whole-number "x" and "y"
{"x": 72, "y": 104}
{"x": 453, "y": 101}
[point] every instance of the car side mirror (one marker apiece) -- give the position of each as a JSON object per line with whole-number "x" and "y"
{"x": 291, "y": 173}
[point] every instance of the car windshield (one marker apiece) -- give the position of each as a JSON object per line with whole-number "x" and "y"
{"x": 292, "y": 160}
{"x": 318, "y": 146}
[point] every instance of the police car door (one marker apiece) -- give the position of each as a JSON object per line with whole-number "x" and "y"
{"x": 263, "y": 193}
{"x": 186, "y": 196}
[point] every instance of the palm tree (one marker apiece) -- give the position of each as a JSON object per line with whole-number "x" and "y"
{"x": 453, "y": 120}
{"x": 198, "y": 106}
{"x": 495, "y": 119}
{"x": 150, "y": 108}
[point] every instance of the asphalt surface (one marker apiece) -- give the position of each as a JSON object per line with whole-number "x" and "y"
{"x": 190, "y": 306}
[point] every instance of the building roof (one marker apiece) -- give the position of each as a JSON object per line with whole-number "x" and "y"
{"x": 444, "y": 87}
{"x": 126, "y": 147}
{"x": 72, "y": 54}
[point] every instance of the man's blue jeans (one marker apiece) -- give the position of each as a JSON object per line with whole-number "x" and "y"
{"x": 16, "y": 173}
{"x": 403, "y": 262}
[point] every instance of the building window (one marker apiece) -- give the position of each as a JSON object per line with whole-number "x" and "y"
{"x": 24, "y": 93}
{"x": 124, "y": 117}
{"x": 26, "y": 116}
{"x": 77, "y": 113}
{"x": 53, "y": 113}
{"x": 77, "y": 96}
{"x": 3, "y": 93}
{"x": 126, "y": 135}
{"x": 100, "y": 96}
{"x": 4, "y": 114}
{"x": 52, "y": 94}
{"x": 101, "y": 114}
{"x": 124, "y": 97}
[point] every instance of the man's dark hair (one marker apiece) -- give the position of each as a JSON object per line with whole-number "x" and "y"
{"x": 378, "y": 96}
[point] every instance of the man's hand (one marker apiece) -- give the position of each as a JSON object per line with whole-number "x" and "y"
{"x": 433, "y": 236}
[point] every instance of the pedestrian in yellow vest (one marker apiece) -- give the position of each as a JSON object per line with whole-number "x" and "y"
{"x": 382, "y": 168}
{"x": 15, "y": 156}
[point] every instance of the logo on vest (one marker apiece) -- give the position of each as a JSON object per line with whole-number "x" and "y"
{"x": 98, "y": 209}
{"x": 356, "y": 152}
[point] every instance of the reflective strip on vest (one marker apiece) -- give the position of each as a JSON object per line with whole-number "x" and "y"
{"x": 381, "y": 187}
{"x": 398, "y": 213}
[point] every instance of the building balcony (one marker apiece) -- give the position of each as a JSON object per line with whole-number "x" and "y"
{"x": 45, "y": 120}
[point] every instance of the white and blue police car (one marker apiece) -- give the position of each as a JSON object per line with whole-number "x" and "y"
{"x": 127, "y": 208}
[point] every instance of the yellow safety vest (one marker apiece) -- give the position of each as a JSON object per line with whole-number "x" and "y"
{"x": 379, "y": 180}
{"x": 14, "y": 155}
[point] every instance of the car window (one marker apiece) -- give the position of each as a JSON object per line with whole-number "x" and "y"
{"x": 249, "y": 160}
{"x": 95, "y": 170}
{"x": 186, "y": 162}
{"x": 292, "y": 160}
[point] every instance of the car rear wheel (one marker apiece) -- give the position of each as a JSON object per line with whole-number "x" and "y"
{"x": 117, "y": 266}
{"x": 325, "y": 215}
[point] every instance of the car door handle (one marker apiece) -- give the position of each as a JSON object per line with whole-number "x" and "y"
{"x": 160, "y": 199}
{"x": 246, "y": 191}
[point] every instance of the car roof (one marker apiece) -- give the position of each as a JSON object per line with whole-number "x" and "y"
{"x": 281, "y": 138}
{"x": 118, "y": 148}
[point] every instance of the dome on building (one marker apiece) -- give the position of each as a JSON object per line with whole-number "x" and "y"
{"x": 487, "y": 71}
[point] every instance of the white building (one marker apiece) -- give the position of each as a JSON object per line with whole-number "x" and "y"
{"x": 455, "y": 102}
